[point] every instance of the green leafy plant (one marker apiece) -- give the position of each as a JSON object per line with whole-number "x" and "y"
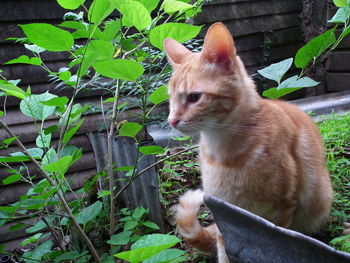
{"x": 308, "y": 56}
{"x": 122, "y": 55}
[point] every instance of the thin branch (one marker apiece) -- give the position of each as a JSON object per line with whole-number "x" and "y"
{"x": 59, "y": 195}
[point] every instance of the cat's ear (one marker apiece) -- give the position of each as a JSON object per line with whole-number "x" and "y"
{"x": 219, "y": 47}
{"x": 175, "y": 51}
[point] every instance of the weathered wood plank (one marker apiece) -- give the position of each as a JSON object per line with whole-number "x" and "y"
{"x": 339, "y": 61}
{"x": 254, "y": 57}
{"x": 248, "y": 26}
{"x": 277, "y": 37}
{"x": 338, "y": 81}
{"x": 20, "y": 11}
{"x": 215, "y": 13}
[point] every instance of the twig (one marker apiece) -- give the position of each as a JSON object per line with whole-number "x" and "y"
{"x": 59, "y": 195}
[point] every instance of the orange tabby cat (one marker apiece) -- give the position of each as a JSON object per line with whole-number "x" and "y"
{"x": 262, "y": 155}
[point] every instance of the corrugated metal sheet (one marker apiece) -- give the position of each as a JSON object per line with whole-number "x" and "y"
{"x": 250, "y": 238}
{"x": 144, "y": 190}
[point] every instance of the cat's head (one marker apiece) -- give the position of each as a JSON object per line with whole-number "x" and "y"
{"x": 207, "y": 87}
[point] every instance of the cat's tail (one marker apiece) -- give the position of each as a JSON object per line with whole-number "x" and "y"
{"x": 186, "y": 215}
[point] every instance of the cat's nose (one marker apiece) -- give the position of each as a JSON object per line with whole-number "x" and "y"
{"x": 173, "y": 122}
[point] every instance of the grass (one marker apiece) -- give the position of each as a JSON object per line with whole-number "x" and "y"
{"x": 336, "y": 135}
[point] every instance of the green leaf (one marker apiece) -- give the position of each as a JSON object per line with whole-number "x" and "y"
{"x": 16, "y": 227}
{"x": 32, "y": 106}
{"x": 68, "y": 256}
{"x": 56, "y": 101}
{"x": 97, "y": 50}
{"x": 65, "y": 75}
{"x": 341, "y": 16}
{"x": 295, "y": 82}
{"x": 59, "y": 166}
{"x": 171, "y": 6}
{"x": 124, "y": 69}
{"x": 43, "y": 140}
{"x": 276, "y": 71}
{"x": 129, "y": 225}
{"x": 70, "y": 4}
{"x": 89, "y": 213}
{"x": 151, "y": 149}
{"x": 340, "y": 3}
{"x": 178, "y": 31}
{"x": 34, "y": 152}
{"x": 155, "y": 240}
{"x": 9, "y": 140}
{"x": 13, "y": 90}
{"x": 25, "y": 60}
{"x": 346, "y": 31}
{"x": 150, "y": 4}
{"x": 48, "y": 36}
{"x": 168, "y": 255}
{"x": 151, "y": 225}
{"x": 112, "y": 28}
{"x": 37, "y": 254}
{"x": 130, "y": 129}
{"x": 49, "y": 157}
{"x": 13, "y": 159}
{"x": 134, "y": 14}
{"x": 50, "y": 129}
{"x": 75, "y": 115}
{"x": 120, "y": 239}
{"x": 37, "y": 227}
{"x": 34, "y": 48}
{"x": 103, "y": 193}
{"x": 31, "y": 239}
{"x": 159, "y": 95}
{"x": 2, "y": 248}
{"x": 99, "y": 10}
{"x": 74, "y": 25}
{"x": 1, "y": 113}
{"x": 69, "y": 134}
{"x": 12, "y": 179}
{"x": 314, "y": 48}
{"x": 148, "y": 246}
{"x": 273, "y": 93}
{"x": 138, "y": 212}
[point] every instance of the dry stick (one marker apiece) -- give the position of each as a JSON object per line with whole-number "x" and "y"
{"x": 133, "y": 178}
{"x": 59, "y": 195}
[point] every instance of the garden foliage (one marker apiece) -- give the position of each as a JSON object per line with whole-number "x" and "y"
{"x": 115, "y": 45}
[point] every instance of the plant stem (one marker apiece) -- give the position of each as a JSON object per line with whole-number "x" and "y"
{"x": 110, "y": 136}
{"x": 59, "y": 195}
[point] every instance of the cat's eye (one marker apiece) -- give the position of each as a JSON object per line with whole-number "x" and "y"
{"x": 193, "y": 97}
